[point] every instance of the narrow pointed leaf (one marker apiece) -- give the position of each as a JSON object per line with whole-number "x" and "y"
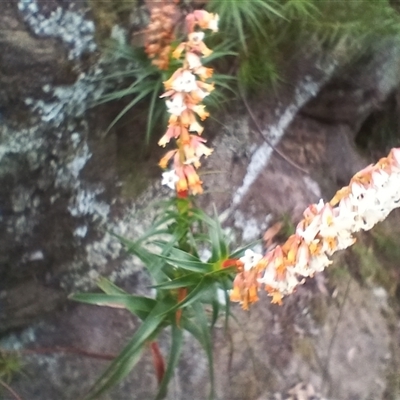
{"x": 151, "y": 115}
{"x": 145, "y": 92}
{"x": 240, "y": 251}
{"x": 184, "y": 281}
{"x": 184, "y": 260}
{"x": 193, "y": 296}
{"x": 174, "y": 354}
{"x": 202, "y": 322}
{"x": 129, "y": 356}
{"x": 137, "y": 305}
{"x": 108, "y": 287}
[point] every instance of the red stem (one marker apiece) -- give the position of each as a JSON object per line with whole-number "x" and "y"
{"x": 158, "y": 361}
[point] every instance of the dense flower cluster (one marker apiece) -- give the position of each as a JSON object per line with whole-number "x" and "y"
{"x": 326, "y": 228}
{"x": 185, "y": 91}
{"x": 160, "y": 33}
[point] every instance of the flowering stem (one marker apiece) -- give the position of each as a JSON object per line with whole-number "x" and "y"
{"x": 326, "y": 228}
{"x": 185, "y": 90}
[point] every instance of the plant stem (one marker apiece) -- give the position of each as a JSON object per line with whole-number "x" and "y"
{"x": 10, "y": 390}
{"x": 260, "y": 132}
{"x": 69, "y": 350}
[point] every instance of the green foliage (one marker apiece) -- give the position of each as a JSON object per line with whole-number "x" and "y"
{"x": 109, "y": 13}
{"x": 380, "y": 131}
{"x": 10, "y": 364}
{"x": 257, "y": 39}
{"x": 245, "y": 18}
{"x": 266, "y": 33}
{"x": 141, "y": 84}
{"x": 372, "y": 262}
{"x": 244, "y": 26}
{"x": 186, "y": 285}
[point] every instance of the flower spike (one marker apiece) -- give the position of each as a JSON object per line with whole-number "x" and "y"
{"x": 326, "y": 228}
{"x": 184, "y": 92}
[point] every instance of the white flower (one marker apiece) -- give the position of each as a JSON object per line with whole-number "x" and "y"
{"x": 196, "y": 37}
{"x": 250, "y": 259}
{"x": 311, "y": 231}
{"x": 193, "y": 60}
{"x": 362, "y": 198}
{"x": 292, "y": 280}
{"x": 319, "y": 263}
{"x": 380, "y": 179}
{"x": 169, "y": 178}
{"x": 185, "y": 82}
{"x": 213, "y": 23}
{"x": 176, "y": 106}
{"x": 284, "y": 285}
{"x": 269, "y": 278}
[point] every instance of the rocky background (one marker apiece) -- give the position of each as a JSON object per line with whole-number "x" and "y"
{"x": 66, "y": 182}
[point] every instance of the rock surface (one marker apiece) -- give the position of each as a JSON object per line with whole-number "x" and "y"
{"x": 62, "y": 186}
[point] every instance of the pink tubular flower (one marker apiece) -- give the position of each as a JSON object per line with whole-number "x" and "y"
{"x": 200, "y": 149}
{"x": 173, "y": 132}
{"x": 203, "y": 19}
{"x": 165, "y": 160}
{"x": 188, "y": 179}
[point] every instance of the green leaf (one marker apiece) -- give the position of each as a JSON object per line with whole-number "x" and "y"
{"x": 130, "y": 355}
{"x": 193, "y": 296}
{"x": 240, "y": 251}
{"x": 137, "y": 305}
{"x": 215, "y": 310}
{"x": 219, "y": 237}
{"x": 108, "y": 287}
{"x": 186, "y": 261}
{"x": 150, "y": 260}
{"x": 151, "y": 114}
{"x": 183, "y": 281}
{"x": 201, "y": 318}
{"x": 226, "y": 285}
{"x": 174, "y": 354}
{"x": 145, "y": 92}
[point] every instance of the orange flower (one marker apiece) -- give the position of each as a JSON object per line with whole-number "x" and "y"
{"x": 195, "y": 150}
{"x": 164, "y": 161}
{"x": 188, "y": 118}
{"x": 340, "y": 194}
{"x": 200, "y": 111}
{"x": 196, "y": 127}
{"x": 291, "y": 247}
{"x": 193, "y": 179}
{"x": 179, "y": 50}
{"x": 194, "y": 45}
{"x": 203, "y": 19}
{"x": 204, "y": 72}
{"x": 276, "y": 295}
{"x": 160, "y": 34}
{"x": 232, "y": 262}
{"x": 181, "y": 185}
{"x": 173, "y": 131}
{"x": 245, "y": 288}
{"x": 206, "y": 20}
